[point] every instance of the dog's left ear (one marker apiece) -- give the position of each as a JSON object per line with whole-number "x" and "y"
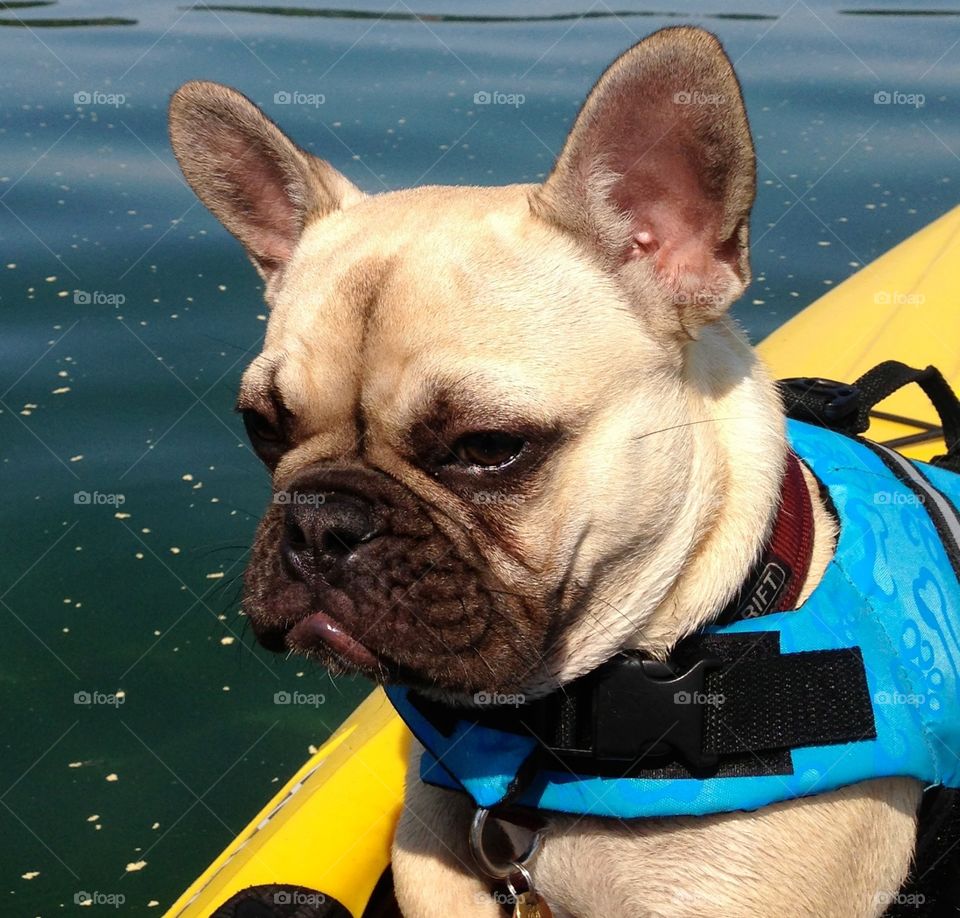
{"x": 658, "y": 176}
{"x": 253, "y": 178}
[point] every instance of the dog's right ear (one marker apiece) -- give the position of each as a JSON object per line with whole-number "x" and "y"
{"x": 657, "y": 178}
{"x": 252, "y": 177}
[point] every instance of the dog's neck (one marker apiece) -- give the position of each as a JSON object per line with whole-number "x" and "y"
{"x": 731, "y": 480}
{"x": 741, "y": 464}
{"x": 754, "y": 455}
{"x": 778, "y": 577}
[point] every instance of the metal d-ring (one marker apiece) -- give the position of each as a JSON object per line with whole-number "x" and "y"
{"x": 524, "y": 875}
{"x": 508, "y": 869}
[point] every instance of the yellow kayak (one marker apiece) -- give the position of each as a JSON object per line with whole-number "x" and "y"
{"x": 330, "y": 828}
{"x": 903, "y": 306}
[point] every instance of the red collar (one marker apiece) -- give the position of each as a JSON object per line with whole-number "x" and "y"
{"x": 775, "y": 581}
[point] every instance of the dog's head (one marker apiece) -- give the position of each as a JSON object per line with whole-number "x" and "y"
{"x": 488, "y": 439}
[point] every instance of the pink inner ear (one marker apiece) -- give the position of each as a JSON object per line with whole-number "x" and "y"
{"x": 671, "y": 214}
{"x": 658, "y": 138}
{"x": 265, "y": 207}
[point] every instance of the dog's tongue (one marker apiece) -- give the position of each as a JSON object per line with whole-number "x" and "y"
{"x": 319, "y": 628}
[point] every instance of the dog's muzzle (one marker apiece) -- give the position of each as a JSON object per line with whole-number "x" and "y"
{"x": 353, "y": 568}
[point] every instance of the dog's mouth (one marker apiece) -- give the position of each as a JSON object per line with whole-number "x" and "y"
{"x": 321, "y": 634}
{"x": 319, "y": 630}
{"x": 315, "y": 635}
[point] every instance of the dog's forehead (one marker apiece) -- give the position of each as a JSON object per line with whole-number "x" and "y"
{"x": 412, "y": 292}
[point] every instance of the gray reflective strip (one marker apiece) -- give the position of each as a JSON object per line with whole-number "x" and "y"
{"x": 257, "y": 828}
{"x": 946, "y": 509}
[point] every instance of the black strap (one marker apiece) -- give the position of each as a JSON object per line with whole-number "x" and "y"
{"x": 847, "y": 408}
{"x": 724, "y": 704}
{"x": 280, "y": 900}
{"x": 824, "y": 402}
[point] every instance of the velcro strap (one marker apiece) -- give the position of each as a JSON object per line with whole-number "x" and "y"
{"x": 814, "y": 698}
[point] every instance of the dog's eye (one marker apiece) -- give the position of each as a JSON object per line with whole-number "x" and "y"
{"x": 260, "y": 428}
{"x": 488, "y": 449}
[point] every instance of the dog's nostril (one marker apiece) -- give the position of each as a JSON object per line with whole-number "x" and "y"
{"x": 338, "y": 541}
{"x": 296, "y": 537}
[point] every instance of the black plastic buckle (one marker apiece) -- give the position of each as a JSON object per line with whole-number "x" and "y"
{"x": 645, "y": 708}
{"x": 836, "y": 402}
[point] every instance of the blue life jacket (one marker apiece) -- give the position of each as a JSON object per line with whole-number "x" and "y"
{"x": 889, "y": 599}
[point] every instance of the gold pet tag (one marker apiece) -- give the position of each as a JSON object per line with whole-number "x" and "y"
{"x": 527, "y": 902}
{"x": 530, "y": 905}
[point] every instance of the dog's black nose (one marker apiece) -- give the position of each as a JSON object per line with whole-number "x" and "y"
{"x": 322, "y": 530}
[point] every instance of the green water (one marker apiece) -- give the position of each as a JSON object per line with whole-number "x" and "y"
{"x": 128, "y": 315}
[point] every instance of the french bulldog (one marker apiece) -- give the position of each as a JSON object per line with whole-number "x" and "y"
{"x": 517, "y": 432}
